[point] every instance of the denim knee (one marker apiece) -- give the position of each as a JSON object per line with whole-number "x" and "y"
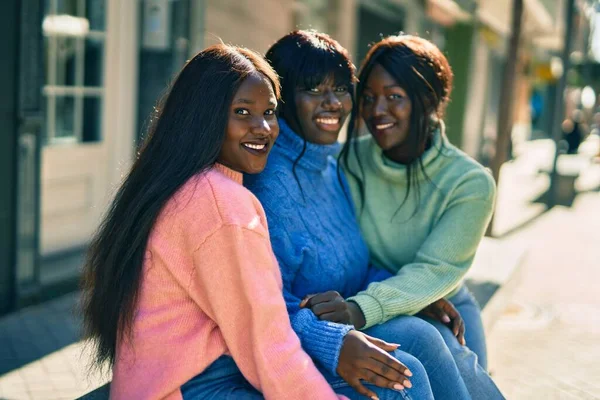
{"x": 429, "y": 345}
{"x": 419, "y": 379}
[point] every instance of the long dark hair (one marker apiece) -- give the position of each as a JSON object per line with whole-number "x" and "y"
{"x": 304, "y": 59}
{"x": 185, "y": 138}
{"x": 423, "y": 71}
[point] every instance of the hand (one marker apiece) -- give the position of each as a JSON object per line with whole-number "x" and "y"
{"x": 364, "y": 357}
{"x": 445, "y": 312}
{"x": 331, "y": 306}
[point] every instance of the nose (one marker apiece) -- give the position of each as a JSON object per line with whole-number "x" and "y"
{"x": 331, "y": 102}
{"x": 379, "y": 106}
{"x": 260, "y": 126}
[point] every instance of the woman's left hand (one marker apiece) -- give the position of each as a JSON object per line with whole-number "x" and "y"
{"x": 331, "y": 306}
{"x": 445, "y": 312}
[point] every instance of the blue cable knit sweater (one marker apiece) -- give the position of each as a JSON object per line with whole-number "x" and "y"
{"x": 314, "y": 235}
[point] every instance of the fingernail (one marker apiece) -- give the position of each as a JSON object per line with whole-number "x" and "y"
{"x": 445, "y": 319}
{"x": 407, "y": 372}
{"x": 374, "y": 398}
{"x": 407, "y": 384}
{"x": 398, "y": 386}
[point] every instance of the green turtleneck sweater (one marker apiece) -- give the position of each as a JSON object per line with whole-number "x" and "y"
{"x": 428, "y": 241}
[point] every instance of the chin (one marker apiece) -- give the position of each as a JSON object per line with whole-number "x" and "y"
{"x": 254, "y": 169}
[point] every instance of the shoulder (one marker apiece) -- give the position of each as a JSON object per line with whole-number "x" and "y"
{"x": 235, "y": 204}
{"x": 356, "y": 152}
{"x": 210, "y": 200}
{"x": 473, "y": 177}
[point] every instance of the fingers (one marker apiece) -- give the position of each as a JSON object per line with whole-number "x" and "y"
{"x": 386, "y": 376}
{"x": 440, "y": 313}
{"x": 305, "y": 300}
{"x": 443, "y": 317}
{"x": 360, "y": 388}
{"x": 385, "y": 382}
{"x": 382, "y": 344}
{"x": 460, "y": 335}
{"x": 333, "y": 317}
{"x": 312, "y": 300}
{"x": 386, "y": 364}
{"x": 324, "y": 308}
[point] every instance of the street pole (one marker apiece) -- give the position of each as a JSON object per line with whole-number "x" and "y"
{"x": 505, "y": 113}
{"x": 559, "y": 104}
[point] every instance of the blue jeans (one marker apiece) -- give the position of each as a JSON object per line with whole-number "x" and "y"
{"x": 470, "y": 311}
{"x": 424, "y": 342}
{"x": 222, "y": 380}
{"x": 479, "y": 384}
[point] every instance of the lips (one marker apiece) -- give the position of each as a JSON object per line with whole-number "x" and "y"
{"x": 381, "y": 126}
{"x": 256, "y": 147}
{"x": 328, "y": 122}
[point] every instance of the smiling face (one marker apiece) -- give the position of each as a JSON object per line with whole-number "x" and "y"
{"x": 386, "y": 109}
{"x": 251, "y": 127}
{"x": 322, "y": 111}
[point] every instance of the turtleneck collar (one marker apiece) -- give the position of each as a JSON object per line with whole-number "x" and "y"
{"x": 315, "y": 156}
{"x": 228, "y": 172}
{"x": 396, "y": 172}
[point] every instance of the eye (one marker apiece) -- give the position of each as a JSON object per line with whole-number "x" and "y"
{"x": 367, "y": 98}
{"x": 395, "y": 96}
{"x": 314, "y": 90}
{"x": 241, "y": 111}
{"x": 270, "y": 111}
{"x": 341, "y": 89}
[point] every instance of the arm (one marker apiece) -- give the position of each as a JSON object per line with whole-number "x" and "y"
{"x": 322, "y": 340}
{"x": 238, "y": 285}
{"x": 442, "y": 260}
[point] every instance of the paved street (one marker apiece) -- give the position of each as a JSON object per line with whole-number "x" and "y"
{"x": 545, "y": 345}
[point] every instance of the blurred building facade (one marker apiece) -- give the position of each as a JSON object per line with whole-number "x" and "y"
{"x": 84, "y": 75}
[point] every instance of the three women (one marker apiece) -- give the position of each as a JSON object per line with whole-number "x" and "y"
{"x": 183, "y": 259}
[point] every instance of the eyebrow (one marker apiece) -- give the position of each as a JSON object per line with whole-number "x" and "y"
{"x": 248, "y": 101}
{"x": 395, "y": 85}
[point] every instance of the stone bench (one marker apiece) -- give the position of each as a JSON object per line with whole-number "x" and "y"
{"x": 492, "y": 279}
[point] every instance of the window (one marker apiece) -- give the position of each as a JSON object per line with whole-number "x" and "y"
{"x": 74, "y": 41}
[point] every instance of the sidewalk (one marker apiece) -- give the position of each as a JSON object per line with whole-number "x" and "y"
{"x": 40, "y": 356}
{"x": 543, "y": 347}
{"x": 546, "y": 346}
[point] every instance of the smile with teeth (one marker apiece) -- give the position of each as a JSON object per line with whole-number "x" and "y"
{"x": 381, "y": 127}
{"x": 254, "y": 146}
{"x": 328, "y": 121}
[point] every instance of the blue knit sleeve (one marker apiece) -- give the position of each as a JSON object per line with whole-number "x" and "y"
{"x": 322, "y": 340}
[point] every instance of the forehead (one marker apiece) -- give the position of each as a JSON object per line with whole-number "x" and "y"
{"x": 255, "y": 85}
{"x": 379, "y": 76}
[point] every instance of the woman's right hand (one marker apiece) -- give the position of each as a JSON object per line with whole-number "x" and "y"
{"x": 365, "y": 357}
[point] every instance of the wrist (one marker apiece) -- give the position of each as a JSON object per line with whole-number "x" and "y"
{"x": 356, "y": 315}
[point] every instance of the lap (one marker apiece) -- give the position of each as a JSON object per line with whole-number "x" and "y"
{"x": 222, "y": 380}
{"x": 421, "y": 388}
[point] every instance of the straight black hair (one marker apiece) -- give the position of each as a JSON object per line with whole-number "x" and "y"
{"x": 185, "y": 138}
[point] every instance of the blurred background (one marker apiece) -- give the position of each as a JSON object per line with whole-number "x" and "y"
{"x": 79, "y": 78}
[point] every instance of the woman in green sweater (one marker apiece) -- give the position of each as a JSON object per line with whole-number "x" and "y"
{"x": 423, "y": 205}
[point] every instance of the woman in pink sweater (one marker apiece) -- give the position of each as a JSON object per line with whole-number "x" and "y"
{"x": 182, "y": 292}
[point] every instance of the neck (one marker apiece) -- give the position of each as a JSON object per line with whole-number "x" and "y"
{"x": 304, "y": 154}
{"x": 404, "y": 153}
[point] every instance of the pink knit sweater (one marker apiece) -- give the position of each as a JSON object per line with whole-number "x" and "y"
{"x": 211, "y": 286}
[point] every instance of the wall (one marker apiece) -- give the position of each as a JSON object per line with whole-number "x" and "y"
{"x": 243, "y": 22}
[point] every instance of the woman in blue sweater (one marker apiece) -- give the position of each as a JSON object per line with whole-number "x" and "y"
{"x": 311, "y": 218}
